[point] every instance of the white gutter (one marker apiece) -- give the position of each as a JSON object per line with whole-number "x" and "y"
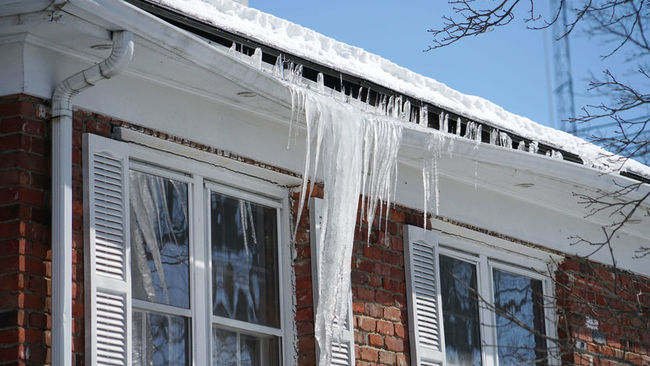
{"x": 62, "y": 189}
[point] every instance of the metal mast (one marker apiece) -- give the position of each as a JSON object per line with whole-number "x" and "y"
{"x": 563, "y": 91}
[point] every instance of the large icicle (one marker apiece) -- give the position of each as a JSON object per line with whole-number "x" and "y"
{"x": 358, "y": 151}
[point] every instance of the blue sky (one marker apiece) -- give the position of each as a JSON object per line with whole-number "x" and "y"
{"x": 506, "y": 66}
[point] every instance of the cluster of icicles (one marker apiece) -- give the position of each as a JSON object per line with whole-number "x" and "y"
{"x": 358, "y": 153}
{"x": 356, "y": 149}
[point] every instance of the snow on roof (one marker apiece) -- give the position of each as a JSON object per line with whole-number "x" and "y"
{"x": 308, "y": 44}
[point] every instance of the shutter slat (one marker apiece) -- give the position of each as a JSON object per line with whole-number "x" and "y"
{"x": 423, "y": 288}
{"x": 343, "y": 347}
{"x": 106, "y": 215}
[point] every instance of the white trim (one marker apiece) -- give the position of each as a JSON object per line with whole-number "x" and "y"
{"x": 200, "y": 295}
{"x": 208, "y": 170}
{"x": 245, "y": 327}
{"x": 242, "y": 194}
{"x": 160, "y": 308}
{"x": 480, "y": 243}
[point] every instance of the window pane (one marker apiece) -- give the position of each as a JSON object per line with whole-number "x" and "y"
{"x": 460, "y": 312}
{"x": 252, "y": 351}
{"x": 244, "y": 261}
{"x": 224, "y": 347}
{"x": 159, "y": 240}
{"x": 519, "y": 319}
{"x": 160, "y": 339}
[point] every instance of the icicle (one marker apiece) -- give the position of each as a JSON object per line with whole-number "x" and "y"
{"x": 359, "y": 93}
{"x": 556, "y": 155}
{"x": 320, "y": 81}
{"x": 256, "y": 59}
{"x": 505, "y": 140}
{"x": 533, "y": 147}
{"x": 406, "y": 111}
{"x": 233, "y": 49}
{"x": 397, "y": 109}
{"x": 368, "y": 97}
{"x": 278, "y": 68}
{"x": 494, "y": 135}
{"x": 521, "y": 146}
{"x": 297, "y": 74}
{"x": 424, "y": 116}
{"x": 390, "y": 107}
{"x": 443, "y": 122}
{"x": 473, "y": 131}
{"x": 458, "y": 126}
{"x": 430, "y": 173}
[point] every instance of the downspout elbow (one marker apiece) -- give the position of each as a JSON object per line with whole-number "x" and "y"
{"x": 119, "y": 58}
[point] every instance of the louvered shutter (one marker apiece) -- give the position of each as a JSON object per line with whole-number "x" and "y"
{"x": 343, "y": 347}
{"x": 424, "y": 302}
{"x": 107, "y": 255}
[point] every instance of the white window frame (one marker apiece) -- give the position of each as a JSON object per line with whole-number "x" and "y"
{"x": 488, "y": 252}
{"x": 203, "y": 177}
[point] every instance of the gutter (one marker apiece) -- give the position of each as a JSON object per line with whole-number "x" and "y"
{"x": 119, "y": 58}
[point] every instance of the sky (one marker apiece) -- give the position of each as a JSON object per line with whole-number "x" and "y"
{"x": 508, "y": 66}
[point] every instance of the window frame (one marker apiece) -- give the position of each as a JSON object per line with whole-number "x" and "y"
{"x": 487, "y": 253}
{"x": 203, "y": 177}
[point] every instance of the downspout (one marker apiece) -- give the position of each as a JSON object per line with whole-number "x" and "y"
{"x": 62, "y": 188}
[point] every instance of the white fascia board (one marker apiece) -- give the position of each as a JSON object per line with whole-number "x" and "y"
{"x": 198, "y": 51}
{"x": 115, "y": 14}
{"x": 12, "y": 7}
{"x": 569, "y": 177}
{"x": 414, "y": 142}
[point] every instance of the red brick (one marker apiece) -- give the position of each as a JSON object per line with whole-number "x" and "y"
{"x": 387, "y": 358}
{"x": 366, "y": 324}
{"x": 365, "y": 294}
{"x": 400, "y": 331}
{"x": 303, "y": 283}
{"x": 304, "y": 314}
{"x": 373, "y": 310}
{"x": 394, "y": 344}
{"x": 369, "y": 354}
{"x": 22, "y": 108}
{"x": 391, "y": 313}
{"x": 384, "y": 327}
{"x": 375, "y": 340}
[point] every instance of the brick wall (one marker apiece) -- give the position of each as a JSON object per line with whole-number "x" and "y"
{"x": 604, "y": 314}
{"x": 378, "y": 289}
{"x": 25, "y": 254}
{"x": 24, "y": 231}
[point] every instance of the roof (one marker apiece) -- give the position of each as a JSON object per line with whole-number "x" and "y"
{"x": 315, "y": 47}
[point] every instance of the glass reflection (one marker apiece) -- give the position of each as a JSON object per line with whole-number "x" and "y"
{"x": 160, "y": 339}
{"x": 244, "y": 260}
{"x": 224, "y": 347}
{"x": 460, "y": 312}
{"x": 520, "y": 319}
{"x": 159, "y": 240}
{"x": 230, "y": 346}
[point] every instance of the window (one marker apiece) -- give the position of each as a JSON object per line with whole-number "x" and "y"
{"x": 474, "y": 304}
{"x": 183, "y": 269}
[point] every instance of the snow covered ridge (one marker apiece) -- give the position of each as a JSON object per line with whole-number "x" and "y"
{"x": 308, "y": 44}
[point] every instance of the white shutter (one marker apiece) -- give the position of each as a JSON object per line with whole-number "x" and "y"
{"x": 424, "y": 302}
{"x": 107, "y": 255}
{"x": 343, "y": 347}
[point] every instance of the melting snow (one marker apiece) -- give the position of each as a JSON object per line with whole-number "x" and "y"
{"x": 306, "y": 43}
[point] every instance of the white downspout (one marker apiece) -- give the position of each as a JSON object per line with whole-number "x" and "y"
{"x": 62, "y": 189}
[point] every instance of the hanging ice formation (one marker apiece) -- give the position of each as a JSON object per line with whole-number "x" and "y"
{"x": 358, "y": 153}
